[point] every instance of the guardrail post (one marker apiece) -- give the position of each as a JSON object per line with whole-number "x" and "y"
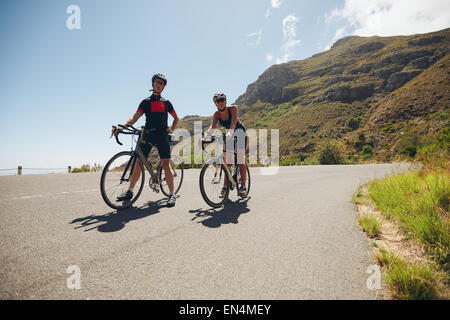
{"x": 69, "y": 168}
{"x": 19, "y": 170}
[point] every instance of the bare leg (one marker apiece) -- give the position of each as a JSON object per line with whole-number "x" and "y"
{"x": 168, "y": 173}
{"x": 229, "y": 166}
{"x": 243, "y": 168}
{"x": 136, "y": 174}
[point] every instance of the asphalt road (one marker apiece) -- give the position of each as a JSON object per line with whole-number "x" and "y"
{"x": 296, "y": 237}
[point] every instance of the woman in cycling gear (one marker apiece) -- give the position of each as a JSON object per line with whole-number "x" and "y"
{"x": 228, "y": 117}
{"x": 156, "y": 131}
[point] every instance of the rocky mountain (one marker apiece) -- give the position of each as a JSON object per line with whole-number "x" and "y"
{"x": 364, "y": 91}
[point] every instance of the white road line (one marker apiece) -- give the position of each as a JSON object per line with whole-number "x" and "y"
{"x": 49, "y": 195}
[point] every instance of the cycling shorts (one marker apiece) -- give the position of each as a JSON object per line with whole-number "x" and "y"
{"x": 160, "y": 140}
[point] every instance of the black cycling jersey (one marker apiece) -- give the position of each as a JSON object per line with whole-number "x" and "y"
{"x": 239, "y": 125}
{"x": 156, "y": 109}
{"x": 227, "y": 123}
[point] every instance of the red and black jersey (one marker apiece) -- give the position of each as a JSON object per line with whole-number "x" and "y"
{"x": 156, "y": 109}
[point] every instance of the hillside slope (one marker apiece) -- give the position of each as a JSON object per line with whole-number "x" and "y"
{"x": 363, "y": 91}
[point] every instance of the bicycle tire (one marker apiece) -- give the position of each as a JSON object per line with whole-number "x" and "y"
{"x": 103, "y": 180}
{"x": 208, "y": 198}
{"x": 179, "y": 171}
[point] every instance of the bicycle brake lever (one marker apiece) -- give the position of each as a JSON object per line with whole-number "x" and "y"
{"x": 117, "y": 140}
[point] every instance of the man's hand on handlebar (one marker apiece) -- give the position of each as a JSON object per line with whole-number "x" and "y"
{"x": 125, "y": 129}
{"x": 116, "y": 130}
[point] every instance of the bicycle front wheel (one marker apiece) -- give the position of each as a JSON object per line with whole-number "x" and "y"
{"x": 212, "y": 179}
{"x": 116, "y": 178}
{"x": 177, "y": 172}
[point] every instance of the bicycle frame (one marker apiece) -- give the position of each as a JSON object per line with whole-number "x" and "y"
{"x": 230, "y": 175}
{"x": 138, "y": 153}
{"x": 228, "y": 171}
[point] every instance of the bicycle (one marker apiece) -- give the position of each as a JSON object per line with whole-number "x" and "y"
{"x": 117, "y": 172}
{"x": 211, "y": 175}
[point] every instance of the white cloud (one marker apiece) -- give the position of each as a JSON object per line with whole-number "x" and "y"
{"x": 275, "y": 3}
{"x": 290, "y": 26}
{"x": 289, "y": 35}
{"x": 340, "y": 32}
{"x": 331, "y": 15}
{"x": 256, "y": 36}
{"x": 283, "y": 59}
{"x": 269, "y": 57}
{"x": 393, "y": 17}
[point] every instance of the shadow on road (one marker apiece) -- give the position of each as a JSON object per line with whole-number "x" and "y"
{"x": 228, "y": 214}
{"x": 116, "y": 220}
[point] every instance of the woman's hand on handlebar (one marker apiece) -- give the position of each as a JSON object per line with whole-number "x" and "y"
{"x": 228, "y": 135}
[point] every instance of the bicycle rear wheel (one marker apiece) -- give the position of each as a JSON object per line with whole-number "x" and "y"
{"x": 212, "y": 179}
{"x": 116, "y": 178}
{"x": 178, "y": 173}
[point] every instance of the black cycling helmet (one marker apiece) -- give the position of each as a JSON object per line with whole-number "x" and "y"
{"x": 160, "y": 76}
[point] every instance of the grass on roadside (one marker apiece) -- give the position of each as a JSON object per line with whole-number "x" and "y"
{"x": 420, "y": 204}
{"x": 370, "y": 224}
{"x": 358, "y": 197}
{"x": 411, "y": 281}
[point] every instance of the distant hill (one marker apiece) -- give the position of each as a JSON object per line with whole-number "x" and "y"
{"x": 386, "y": 93}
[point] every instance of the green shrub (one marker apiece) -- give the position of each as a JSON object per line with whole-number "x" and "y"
{"x": 353, "y": 123}
{"x": 291, "y": 161}
{"x": 367, "y": 150}
{"x": 87, "y": 168}
{"x": 311, "y": 161}
{"x": 435, "y": 154}
{"x": 409, "y": 151}
{"x": 84, "y": 168}
{"x": 407, "y": 140}
{"x": 389, "y": 127}
{"x": 331, "y": 152}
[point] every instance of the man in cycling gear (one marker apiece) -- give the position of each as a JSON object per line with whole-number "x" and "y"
{"x": 228, "y": 118}
{"x": 156, "y": 132}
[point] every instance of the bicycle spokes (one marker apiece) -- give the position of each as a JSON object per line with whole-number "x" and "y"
{"x": 116, "y": 179}
{"x": 211, "y": 184}
{"x": 217, "y": 175}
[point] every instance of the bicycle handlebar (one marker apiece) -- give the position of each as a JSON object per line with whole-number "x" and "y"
{"x": 213, "y": 139}
{"x": 129, "y": 129}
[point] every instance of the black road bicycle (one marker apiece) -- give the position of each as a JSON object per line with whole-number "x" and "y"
{"x": 117, "y": 173}
{"x": 213, "y": 174}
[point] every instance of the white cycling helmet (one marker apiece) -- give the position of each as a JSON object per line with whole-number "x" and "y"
{"x": 160, "y": 76}
{"x": 219, "y": 95}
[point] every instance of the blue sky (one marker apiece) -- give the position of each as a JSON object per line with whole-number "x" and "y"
{"x": 61, "y": 90}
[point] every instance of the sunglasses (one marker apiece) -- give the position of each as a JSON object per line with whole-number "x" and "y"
{"x": 159, "y": 82}
{"x": 220, "y": 100}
